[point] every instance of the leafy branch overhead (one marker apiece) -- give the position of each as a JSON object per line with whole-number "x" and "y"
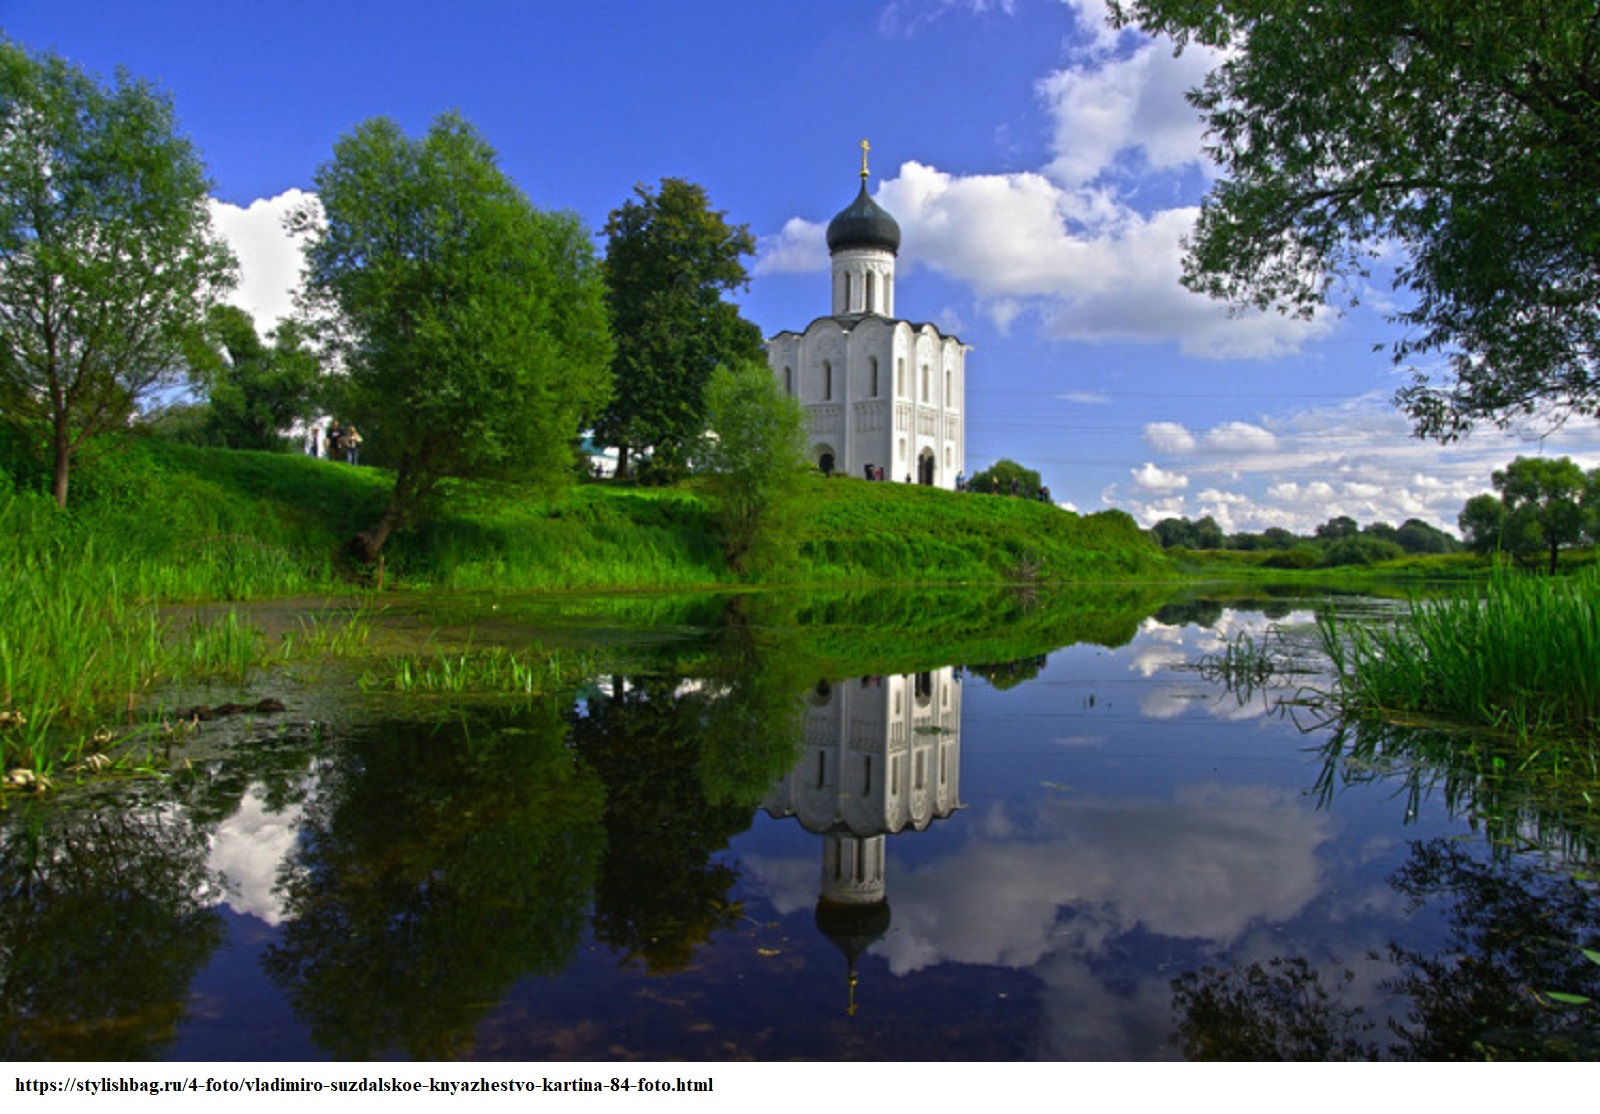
{"x": 1461, "y": 132}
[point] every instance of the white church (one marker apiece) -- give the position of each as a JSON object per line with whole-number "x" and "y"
{"x": 882, "y": 392}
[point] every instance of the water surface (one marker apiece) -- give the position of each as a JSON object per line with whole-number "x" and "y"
{"x": 1091, "y": 850}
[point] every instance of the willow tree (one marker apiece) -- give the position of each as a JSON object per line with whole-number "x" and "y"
{"x": 1456, "y": 137}
{"x": 108, "y": 264}
{"x": 470, "y": 326}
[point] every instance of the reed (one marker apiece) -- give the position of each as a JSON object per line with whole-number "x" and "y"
{"x": 495, "y": 671}
{"x": 1524, "y": 656}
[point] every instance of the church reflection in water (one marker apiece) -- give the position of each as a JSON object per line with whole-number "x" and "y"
{"x": 881, "y": 757}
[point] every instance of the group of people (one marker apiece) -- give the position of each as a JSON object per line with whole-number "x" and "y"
{"x": 340, "y": 444}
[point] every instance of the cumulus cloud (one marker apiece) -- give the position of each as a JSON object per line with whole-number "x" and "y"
{"x": 1239, "y": 437}
{"x": 1091, "y": 267}
{"x": 1150, "y": 478}
{"x": 1169, "y": 437}
{"x": 1229, "y": 857}
{"x": 1061, "y": 247}
{"x": 799, "y": 247}
{"x": 248, "y": 851}
{"x": 1355, "y": 457}
{"x": 1133, "y": 106}
{"x": 269, "y": 258}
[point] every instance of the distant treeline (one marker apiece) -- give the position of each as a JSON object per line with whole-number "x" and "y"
{"x": 1338, "y": 541}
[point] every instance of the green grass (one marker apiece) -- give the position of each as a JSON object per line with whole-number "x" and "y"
{"x": 87, "y": 636}
{"x": 1523, "y": 655}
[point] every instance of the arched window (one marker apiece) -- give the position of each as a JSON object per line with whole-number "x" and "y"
{"x": 900, "y": 378}
{"x": 924, "y": 382}
{"x": 847, "y": 291}
{"x": 827, "y": 380}
{"x": 872, "y": 376}
{"x": 870, "y": 291}
{"x": 947, "y": 393}
{"x": 788, "y": 380}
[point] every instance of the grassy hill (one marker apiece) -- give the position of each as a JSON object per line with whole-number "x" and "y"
{"x": 179, "y": 522}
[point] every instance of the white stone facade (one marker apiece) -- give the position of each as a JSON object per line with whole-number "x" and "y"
{"x": 880, "y": 391}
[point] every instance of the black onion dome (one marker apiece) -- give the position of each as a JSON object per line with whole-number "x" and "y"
{"x": 852, "y": 928}
{"x": 864, "y": 224}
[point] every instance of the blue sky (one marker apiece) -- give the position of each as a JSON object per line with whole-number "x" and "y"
{"x": 1043, "y": 169}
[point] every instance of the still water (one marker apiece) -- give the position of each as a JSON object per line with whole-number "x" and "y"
{"x": 1095, "y": 850}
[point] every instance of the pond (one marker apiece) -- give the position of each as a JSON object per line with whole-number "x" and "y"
{"x": 810, "y": 830}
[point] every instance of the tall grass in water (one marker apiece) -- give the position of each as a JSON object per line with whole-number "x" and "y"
{"x": 1524, "y": 656}
{"x": 81, "y": 643}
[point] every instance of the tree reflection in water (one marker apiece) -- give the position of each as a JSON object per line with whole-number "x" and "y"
{"x": 437, "y": 866}
{"x": 105, "y": 918}
{"x": 1516, "y": 933}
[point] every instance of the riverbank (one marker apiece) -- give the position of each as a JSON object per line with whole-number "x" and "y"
{"x": 88, "y": 594}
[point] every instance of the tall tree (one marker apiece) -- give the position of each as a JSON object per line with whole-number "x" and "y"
{"x": 1461, "y": 131}
{"x": 1543, "y": 505}
{"x": 471, "y": 326}
{"x": 254, "y": 390}
{"x": 670, "y": 258}
{"x": 107, "y": 260}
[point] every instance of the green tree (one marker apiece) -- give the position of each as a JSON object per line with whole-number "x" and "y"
{"x": 255, "y": 391}
{"x": 997, "y": 479}
{"x": 107, "y": 259}
{"x": 669, "y": 260}
{"x": 1460, "y": 131}
{"x": 1544, "y": 510}
{"x": 1482, "y": 523}
{"x": 1416, "y": 536}
{"x": 471, "y": 326}
{"x": 1336, "y": 528}
{"x": 755, "y": 459}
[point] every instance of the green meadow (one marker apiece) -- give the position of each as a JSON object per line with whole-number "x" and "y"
{"x": 93, "y": 628}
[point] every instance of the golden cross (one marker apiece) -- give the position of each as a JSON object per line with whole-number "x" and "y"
{"x": 865, "y": 147}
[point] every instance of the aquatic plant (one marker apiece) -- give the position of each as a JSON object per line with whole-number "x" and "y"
{"x": 1523, "y": 655}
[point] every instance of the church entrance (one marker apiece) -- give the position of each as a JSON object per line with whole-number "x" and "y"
{"x": 925, "y": 468}
{"x": 825, "y": 459}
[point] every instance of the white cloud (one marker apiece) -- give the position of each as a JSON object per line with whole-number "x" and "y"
{"x": 1230, "y": 857}
{"x": 248, "y": 851}
{"x": 1148, "y": 477}
{"x": 800, "y": 247}
{"x": 1086, "y": 398}
{"x": 1169, "y": 437}
{"x": 1239, "y": 437}
{"x": 270, "y": 259}
{"x": 1095, "y": 269}
{"x": 1128, "y": 106}
{"x": 1354, "y": 458}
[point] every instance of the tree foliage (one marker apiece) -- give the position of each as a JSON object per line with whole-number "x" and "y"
{"x": 107, "y": 260}
{"x": 1006, "y": 477}
{"x": 1544, "y": 505}
{"x": 1461, "y": 131}
{"x": 669, "y": 260}
{"x": 470, "y": 326}
{"x": 754, "y": 459}
{"x": 254, "y": 391}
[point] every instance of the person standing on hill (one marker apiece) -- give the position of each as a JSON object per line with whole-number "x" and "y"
{"x": 335, "y": 441}
{"x": 352, "y": 445}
